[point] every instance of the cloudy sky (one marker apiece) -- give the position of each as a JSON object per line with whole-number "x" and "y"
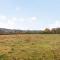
{"x": 29, "y": 14}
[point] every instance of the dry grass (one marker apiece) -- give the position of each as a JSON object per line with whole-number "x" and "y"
{"x": 30, "y": 47}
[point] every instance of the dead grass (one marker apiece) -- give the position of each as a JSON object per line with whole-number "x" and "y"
{"x": 30, "y": 47}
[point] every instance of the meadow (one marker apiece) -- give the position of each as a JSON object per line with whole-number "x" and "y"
{"x": 30, "y": 47}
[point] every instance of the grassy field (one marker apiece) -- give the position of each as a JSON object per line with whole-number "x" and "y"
{"x": 30, "y": 47}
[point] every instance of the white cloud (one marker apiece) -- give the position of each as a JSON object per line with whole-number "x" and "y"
{"x": 31, "y": 23}
{"x": 3, "y": 18}
{"x": 56, "y": 24}
{"x": 26, "y": 23}
{"x": 14, "y": 18}
{"x": 20, "y": 19}
{"x": 34, "y": 18}
{"x": 7, "y": 22}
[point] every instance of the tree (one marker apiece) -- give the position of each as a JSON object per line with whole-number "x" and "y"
{"x": 47, "y": 31}
{"x": 53, "y": 31}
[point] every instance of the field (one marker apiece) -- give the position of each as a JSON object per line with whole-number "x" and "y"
{"x": 30, "y": 47}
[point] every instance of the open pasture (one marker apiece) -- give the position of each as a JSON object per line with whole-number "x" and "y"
{"x": 30, "y": 47}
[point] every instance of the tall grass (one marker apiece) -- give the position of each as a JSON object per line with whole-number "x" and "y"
{"x": 30, "y": 47}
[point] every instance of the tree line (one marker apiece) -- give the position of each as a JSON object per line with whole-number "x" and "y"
{"x": 45, "y": 31}
{"x": 52, "y": 31}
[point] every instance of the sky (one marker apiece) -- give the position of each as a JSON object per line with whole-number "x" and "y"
{"x": 29, "y": 14}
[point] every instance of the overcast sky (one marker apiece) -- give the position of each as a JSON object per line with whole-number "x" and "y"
{"x": 29, "y": 14}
